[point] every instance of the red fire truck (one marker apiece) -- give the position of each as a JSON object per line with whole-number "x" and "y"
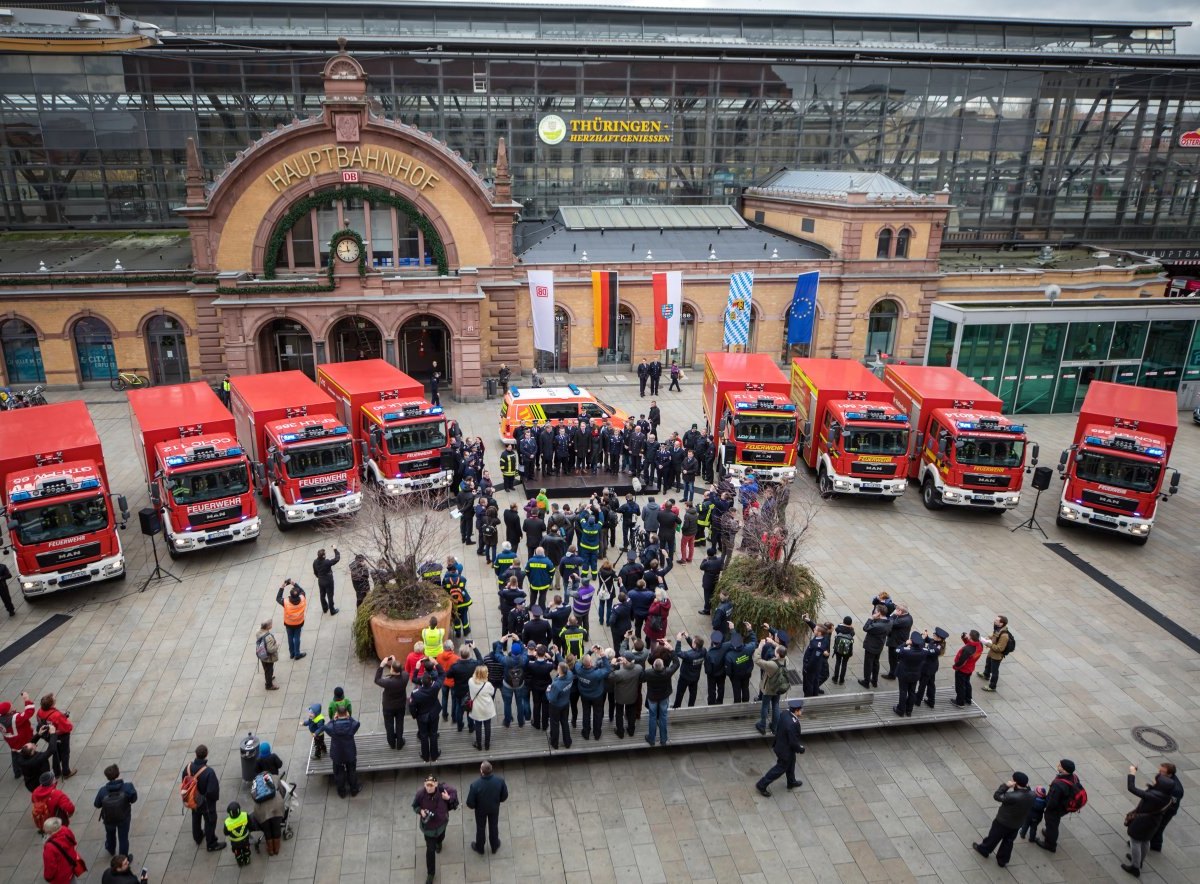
{"x": 401, "y": 434}
{"x": 57, "y": 501}
{"x": 1114, "y": 470}
{"x": 966, "y": 452}
{"x": 851, "y": 433}
{"x": 197, "y": 473}
{"x": 747, "y": 401}
{"x": 305, "y": 456}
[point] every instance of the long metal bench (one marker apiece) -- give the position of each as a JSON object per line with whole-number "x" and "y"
{"x": 697, "y": 725}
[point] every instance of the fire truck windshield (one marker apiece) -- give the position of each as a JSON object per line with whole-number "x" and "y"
{"x": 971, "y": 450}
{"x": 58, "y": 520}
{"x": 875, "y": 441}
{"x": 416, "y": 437}
{"x": 313, "y": 460}
{"x": 201, "y": 485}
{"x": 1118, "y": 471}
{"x": 760, "y": 428}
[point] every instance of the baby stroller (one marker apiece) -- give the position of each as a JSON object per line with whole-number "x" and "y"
{"x": 290, "y": 802}
{"x": 641, "y": 537}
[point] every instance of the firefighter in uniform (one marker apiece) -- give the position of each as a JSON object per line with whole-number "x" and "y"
{"x": 705, "y": 517}
{"x": 508, "y": 467}
{"x": 589, "y": 546}
{"x": 540, "y": 571}
{"x": 460, "y": 603}
{"x": 501, "y": 563}
{"x": 528, "y": 448}
{"x": 431, "y": 572}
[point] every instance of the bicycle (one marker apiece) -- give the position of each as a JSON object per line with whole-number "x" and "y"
{"x": 126, "y": 379}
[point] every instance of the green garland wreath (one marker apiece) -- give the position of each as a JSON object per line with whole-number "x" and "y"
{"x": 326, "y": 198}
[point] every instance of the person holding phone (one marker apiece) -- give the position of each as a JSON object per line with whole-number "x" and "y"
{"x": 119, "y": 871}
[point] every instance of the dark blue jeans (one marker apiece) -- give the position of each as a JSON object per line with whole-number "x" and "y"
{"x": 116, "y": 837}
{"x": 657, "y": 719}
{"x": 293, "y": 639}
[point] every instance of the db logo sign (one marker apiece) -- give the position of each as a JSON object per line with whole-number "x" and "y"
{"x": 541, "y": 291}
{"x": 350, "y": 177}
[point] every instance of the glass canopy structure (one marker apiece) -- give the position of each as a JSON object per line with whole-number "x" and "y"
{"x": 1040, "y": 357}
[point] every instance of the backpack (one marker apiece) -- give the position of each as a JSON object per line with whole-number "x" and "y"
{"x": 777, "y": 682}
{"x": 843, "y": 644}
{"x": 1011, "y": 646}
{"x": 656, "y": 622}
{"x": 114, "y": 807}
{"x": 260, "y": 647}
{"x": 514, "y": 676}
{"x": 189, "y": 789}
{"x": 41, "y": 812}
{"x": 1079, "y": 797}
{"x": 263, "y": 788}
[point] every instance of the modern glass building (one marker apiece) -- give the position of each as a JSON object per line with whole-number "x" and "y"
{"x": 1040, "y": 357}
{"x": 1041, "y": 130}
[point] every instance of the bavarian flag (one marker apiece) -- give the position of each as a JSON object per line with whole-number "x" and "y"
{"x": 737, "y": 308}
{"x": 605, "y": 301}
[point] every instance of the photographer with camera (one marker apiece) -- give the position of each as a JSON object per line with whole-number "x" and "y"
{"x": 120, "y": 872}
{"x": 432, "y": 805}
{"x": 901, "y": 625}
{"x": 294, "y": 606}
{"x": 875, "y": 635}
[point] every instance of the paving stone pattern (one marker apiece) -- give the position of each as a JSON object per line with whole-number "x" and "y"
{"x": 149, "y": 675}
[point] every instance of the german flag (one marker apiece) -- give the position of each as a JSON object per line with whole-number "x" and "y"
{"x": 604, "y": 308}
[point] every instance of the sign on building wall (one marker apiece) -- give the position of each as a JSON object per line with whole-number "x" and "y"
{"x": 604, "y": 129}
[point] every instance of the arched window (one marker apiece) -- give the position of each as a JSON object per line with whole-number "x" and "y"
{"x": 286, "y": 345}
{"x": 560, "y": 359}
{"x": 425, "y": 347}
{"x": 881, "y": 328}
{"x": 94, "y": 350}
{"x": 166, "y": 346}
{"x": 903, "y": 238}
{"x": 353, "y": 338}
{"x": 883, "y": 243}
{"x": 623, "y": 353}
{"x": 22, "y": 352}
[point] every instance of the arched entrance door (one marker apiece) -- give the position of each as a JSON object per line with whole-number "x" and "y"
{"x": 286, "y": 345}
{"x": 560, "y": 359}
{"x": 94, "y": 350}
{"x": 881, "y": 328}
{"x": 355, "y": 338}
{"x": 686, "y": 354}
{"x": 622, "y": 354}
{"x": 22, "y": 352}
{"x": 167, "y": 349}
{"x": 424, "y": 341}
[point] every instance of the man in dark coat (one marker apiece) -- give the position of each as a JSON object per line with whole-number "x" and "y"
{"x": 1142, "y": 822}
{"x": 787, "y": 747}
{"x": 394, "y": 680}
{"x": 485, "y": 797}
{"x": 343, "y": 752}
{"x": 875, "y": 634}
{"x": 323, "y": 570}
{"x": 512, "y": 526}
{"x": 1015, "y": 799}
{"x": 655, "y": 375}
{"x": 32, "y": 763}
{"x": 208, "y": 790}
{"x": 360, "y": 578}
{"x": 901, "y": 626}
{"x": 1058, "y": 796}
{"x": 910, "y": 660}
{"x": 654, "y": 415}
{"x": 710, "y": 570}
{"x": 425, "y": 708}
{"x": 535, "y": 529}
{"x": 1156, "y": 840}
{"x": 643, "y": 375}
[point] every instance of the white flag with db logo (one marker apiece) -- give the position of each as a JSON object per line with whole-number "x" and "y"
{"x": 541, "y": 306}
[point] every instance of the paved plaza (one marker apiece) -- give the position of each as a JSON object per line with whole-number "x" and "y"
{"x": 148, "y": 676}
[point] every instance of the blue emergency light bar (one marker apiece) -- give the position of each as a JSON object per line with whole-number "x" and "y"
{"x": 974, "y": 425}
{"x": 178, "y": 460}
{"x": 860, "y": 416}
{"x": 574, "y": 389}
{"x": 516, "y": 394}
{"x": 313, "y": 433}
{"x": 56, "y": 486}
{"x": 398, "y": 415}
{"x": 1124, "y": 443}
{"x": 758, "y": 406}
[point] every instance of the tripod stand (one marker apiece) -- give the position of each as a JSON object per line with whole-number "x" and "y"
{"x": 1041, "y": 481}
{"x": 159, "y": 572}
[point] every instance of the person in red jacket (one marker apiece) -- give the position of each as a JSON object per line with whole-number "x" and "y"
{"x": 415, "y": 656}
{"x": 61, "y": 862}
{"x": 17, "y": 728}
{"x": 50, "y": 801}
{"x": 656, "y": 619}
{"x": 964, "y": 666}
{"x": 61, "y": 722}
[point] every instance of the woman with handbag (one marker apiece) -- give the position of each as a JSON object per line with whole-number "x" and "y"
{"x": 1142, "y": 822}
{"x": 481, "y": 706}
{"x": 61, "y": 862}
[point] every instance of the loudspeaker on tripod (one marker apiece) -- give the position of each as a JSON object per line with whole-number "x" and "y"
{"x": 150, "y": 520}
{"x": 1041, "y": 478}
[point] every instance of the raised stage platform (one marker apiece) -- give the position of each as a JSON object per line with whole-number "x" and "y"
{"x": 580, "y": 486}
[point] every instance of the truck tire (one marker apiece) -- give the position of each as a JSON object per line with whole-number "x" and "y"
{"x": 1139, "y": 541}
{"x": 281, "y": 521}
{"x": 1063, "y": 523}
{"x": 930, "y": 496}
{"x": 825, "y": 484}
{"x": 171, "y": 551}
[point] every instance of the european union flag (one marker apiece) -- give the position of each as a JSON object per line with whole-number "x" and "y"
{"x": 803, "y": 309}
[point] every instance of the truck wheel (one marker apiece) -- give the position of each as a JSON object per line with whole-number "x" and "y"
{"x": 281, "y": 521}
{"x": 825, "y": 484}
{"x": 1063, "y": 523}
{"x": 171, "y": 551}
{"x": 930, "y": 496}
{"x": 1139, "y": 541}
